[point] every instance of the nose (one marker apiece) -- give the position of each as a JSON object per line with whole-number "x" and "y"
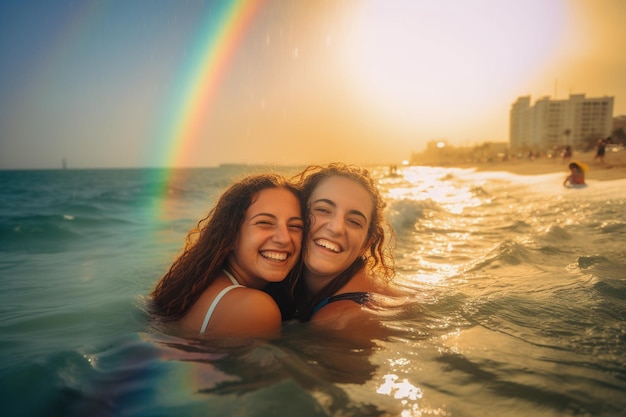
{"x": 281, "y": 234}
{"x": 334, "y": 224}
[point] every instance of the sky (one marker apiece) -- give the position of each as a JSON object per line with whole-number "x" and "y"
{"x": 160, "y": 83}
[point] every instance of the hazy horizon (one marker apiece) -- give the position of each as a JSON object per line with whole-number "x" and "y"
{"x": 129, "y": 84}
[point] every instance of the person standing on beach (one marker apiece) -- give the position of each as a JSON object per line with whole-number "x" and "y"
{"x": 567, "y": 154}
{"x": 253, "y": 236}
{"x": 601, "y": 150}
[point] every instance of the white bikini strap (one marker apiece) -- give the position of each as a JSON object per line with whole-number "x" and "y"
{"x": 217, "y": 299}
{"x": 232, "y": 278}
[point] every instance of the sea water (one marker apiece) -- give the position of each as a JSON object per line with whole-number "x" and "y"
{"x": 516, "y": 306}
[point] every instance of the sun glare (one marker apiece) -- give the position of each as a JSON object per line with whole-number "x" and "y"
{"x": 441, "y": 59}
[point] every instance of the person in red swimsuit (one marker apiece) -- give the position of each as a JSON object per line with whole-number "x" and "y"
{"x": 576, "y": 177}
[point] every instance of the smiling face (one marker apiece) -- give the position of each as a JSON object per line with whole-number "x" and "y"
{"x": 269, "y": 241}
{"x": 341, "y": 211}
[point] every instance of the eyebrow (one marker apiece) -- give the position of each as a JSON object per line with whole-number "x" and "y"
{"x": 274, "y": 216}
{"x": 332, "y": 203}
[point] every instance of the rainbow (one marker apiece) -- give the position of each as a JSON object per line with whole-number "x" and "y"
{"x": 219, "y": 35}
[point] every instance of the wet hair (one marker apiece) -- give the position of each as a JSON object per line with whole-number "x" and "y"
{"x": 378, "y": 259}
{"x": 209, "y": 244}
{"x": 575, "y": 165}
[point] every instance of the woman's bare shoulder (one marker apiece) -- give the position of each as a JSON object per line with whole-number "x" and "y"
{"x": 242, "y": 312}
{"x": 247, "y": 312}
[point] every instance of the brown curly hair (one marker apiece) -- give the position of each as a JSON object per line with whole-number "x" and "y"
{"x": 378, "y": 259}
{"x": 209, "y": 244}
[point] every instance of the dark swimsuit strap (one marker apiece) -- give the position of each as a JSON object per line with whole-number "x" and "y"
{"x": 358, "y": 297}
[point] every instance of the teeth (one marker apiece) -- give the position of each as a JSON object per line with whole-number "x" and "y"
{"x": 328, "y": 245}
{"x": 277, "y": 256}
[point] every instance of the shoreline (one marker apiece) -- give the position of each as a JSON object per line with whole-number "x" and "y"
{"x": 613, "y": 168}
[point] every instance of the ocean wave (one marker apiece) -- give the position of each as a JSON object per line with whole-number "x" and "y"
{"x": 557, "y": 234}
{"x": 23, "y": 230}
{"x": 403, "y": 214}
{"x": 54, "y": 232}
{"x": 513, "y": 225}
{"x": 508, "y": 252}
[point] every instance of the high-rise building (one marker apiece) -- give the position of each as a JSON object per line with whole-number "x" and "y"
{"x": 577, "y": 121}
{"x": 619, "y": 122}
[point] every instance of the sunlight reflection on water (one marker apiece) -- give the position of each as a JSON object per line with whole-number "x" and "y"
{"x": 438, "y": 185}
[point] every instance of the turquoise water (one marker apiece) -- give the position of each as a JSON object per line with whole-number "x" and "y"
{"x": 517, "y": 306}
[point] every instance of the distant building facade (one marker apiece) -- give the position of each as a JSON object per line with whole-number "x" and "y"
{"x": 619, "y": 130}
{"x": 619, "y": 123}
{"x": 577, "y": 121}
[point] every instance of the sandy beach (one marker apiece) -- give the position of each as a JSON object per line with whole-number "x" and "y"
{"x": 613, "y": 168}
